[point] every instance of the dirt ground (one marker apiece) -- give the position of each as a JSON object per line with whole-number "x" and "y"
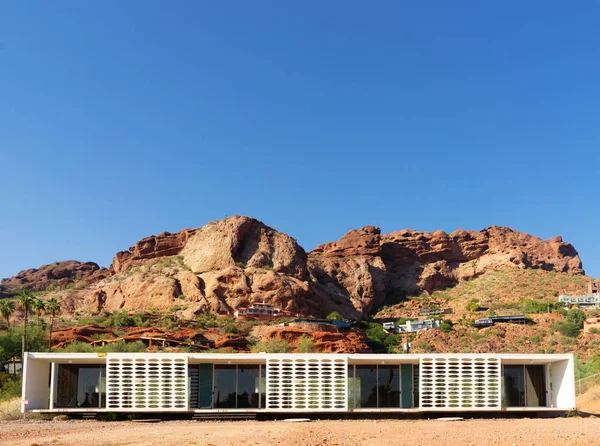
{"x": 506, "y": 431}
{"x": 562, "y": 431}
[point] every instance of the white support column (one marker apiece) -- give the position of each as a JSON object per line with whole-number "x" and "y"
{"x": 53, "y": 383}
{"x": 548, "y": 386}
{"x": 563, "y": 384}
{"x": 36, "y": 374}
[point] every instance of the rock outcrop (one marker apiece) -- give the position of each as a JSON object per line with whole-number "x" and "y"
{"x": 69, "y": 273}
{"x": 232, "y": 263}
{"x": 368, "y": 268}
{"x": 330, "y": 341}
{"x": 161, "y": 245}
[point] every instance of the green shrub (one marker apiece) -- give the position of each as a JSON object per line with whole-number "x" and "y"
{"x": 272, "y": 346}
{"x": 424, "y": 345}
{"x": 10, "y": 386}
{"x": 583, "y": 369}
{"x": 473, "y": 305}
{"x": 204, "y": 321}
{"x": 334, "y": 316}
{"x": 76, "y": 347}
{"x": 378, "y": 336}
{"x": 530, "y": 306}
{"x": 231, "y": 328}
{"x": 536, "y": 339}
{"x": 567, "y": 341}
{"x": 306, "y": 344}
{"x": 446, "y": 325}
{"x": 576, "y": 317}
{"x": 568, "y": 329}
{"x": 112, "y": 347}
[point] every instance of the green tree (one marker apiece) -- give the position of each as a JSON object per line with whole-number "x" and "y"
{"x": 7, "y": 308}
{"x": 576, "y": 317}
{"x": 52, "y": 307}
{"x": 25, "y": 299}
{"x": 38, "y": 305}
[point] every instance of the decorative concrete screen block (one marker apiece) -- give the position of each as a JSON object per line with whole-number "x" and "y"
{"x": 471, "y": 383}
{"x": 307, "y": 383}
{"x": 148, "y": 382}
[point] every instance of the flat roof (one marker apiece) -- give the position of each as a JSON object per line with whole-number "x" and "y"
{"x": 355, "y": 358}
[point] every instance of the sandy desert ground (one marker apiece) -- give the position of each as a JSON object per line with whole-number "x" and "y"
{"x": 506, "y": 431}
{"x": 563, "y": 431}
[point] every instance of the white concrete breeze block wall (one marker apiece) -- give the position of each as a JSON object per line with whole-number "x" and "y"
{"x": 307, "y": 383}
{"x": 453, "y": 382}
{"x": 151, "y": 382}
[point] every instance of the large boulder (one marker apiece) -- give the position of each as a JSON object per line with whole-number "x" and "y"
{"x": 245, "y": 242}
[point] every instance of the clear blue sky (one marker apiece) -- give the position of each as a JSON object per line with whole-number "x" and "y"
{"x": 119, "y": 120}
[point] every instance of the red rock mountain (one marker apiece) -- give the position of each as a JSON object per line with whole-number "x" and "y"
{"x": 234, "y": 262}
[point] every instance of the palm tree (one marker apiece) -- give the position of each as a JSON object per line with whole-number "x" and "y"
{"x": 7, "y": 308}
{"x": 26, "y": 299}
{"x": 52, "y": 307}
{"x": 39, "y": 306}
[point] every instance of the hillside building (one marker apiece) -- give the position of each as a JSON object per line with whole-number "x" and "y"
{"x": 411, "y": 326}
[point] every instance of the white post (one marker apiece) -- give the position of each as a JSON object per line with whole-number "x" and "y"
{"x": 53, "y": 383}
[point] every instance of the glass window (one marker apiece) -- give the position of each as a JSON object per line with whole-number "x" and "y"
{"x": 80, "y": 386}
{"x": 366, "y": 386}
{"x": 514, "y": 386}
{"x": 388, "y": 386}
{"x": 248, "y": 386}
{"x": 225, "y": 389}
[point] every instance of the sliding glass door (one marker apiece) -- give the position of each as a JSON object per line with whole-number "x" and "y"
{"x": 239, "y": 386}
{"x": 374, "y": 386}
{"x": 524, "y": 386}
{"x": 80, "y": 386}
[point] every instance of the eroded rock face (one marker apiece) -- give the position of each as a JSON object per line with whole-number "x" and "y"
{"x": 135, "y": 292}
{"x": 220, "y": 267}
{"x": 55, "y": 275}
{"x": 161, "y": 245}
{"x": 239, "y": 261}
{"x": 369, "y": 267}
{"x": 330, "y": 341}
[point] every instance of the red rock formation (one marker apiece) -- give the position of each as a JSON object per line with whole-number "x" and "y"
{"x": 82, "y": 334}
{"x": 232, "y": 263}
{"x": 331, "y": 341}
{"x": 366, "y": 267}
{"x": 161, "y": 245}
{"x": 54, "y": 276}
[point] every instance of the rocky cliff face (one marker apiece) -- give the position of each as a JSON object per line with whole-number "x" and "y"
{"x": 69, "y": 273}
{"x": 235, "y": 262}
{"x": 369, "y": 268}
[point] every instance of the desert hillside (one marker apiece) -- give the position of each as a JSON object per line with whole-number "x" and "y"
{"x": 195, "y": 280}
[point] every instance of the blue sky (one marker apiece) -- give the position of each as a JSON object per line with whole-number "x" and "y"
{"x": 119, "y": 120}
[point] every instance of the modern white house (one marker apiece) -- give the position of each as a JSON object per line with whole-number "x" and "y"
{"x": 590, "y": 301}
{"x": 297, "y": 383}
{"x": 411, "y": 326}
